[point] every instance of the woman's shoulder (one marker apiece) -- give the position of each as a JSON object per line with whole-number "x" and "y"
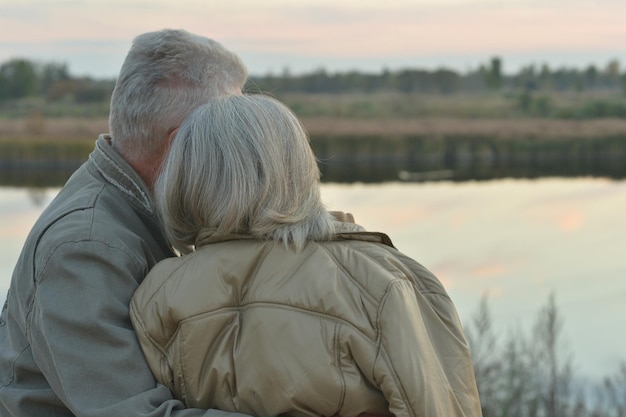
{"x": 372, "y": 256}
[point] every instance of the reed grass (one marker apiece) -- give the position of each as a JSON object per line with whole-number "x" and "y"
{"x": 81, "y": 129}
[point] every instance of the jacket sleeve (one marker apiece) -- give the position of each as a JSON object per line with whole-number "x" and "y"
{"x": 83, "y": 341}
{"x": 423, "y": 365}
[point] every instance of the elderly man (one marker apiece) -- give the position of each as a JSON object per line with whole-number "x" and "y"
{"x": 67, "y": 346}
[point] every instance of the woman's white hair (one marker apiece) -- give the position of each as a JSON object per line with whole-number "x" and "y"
{"x": 242, "y": 165}
{"x": 166, "y": 75}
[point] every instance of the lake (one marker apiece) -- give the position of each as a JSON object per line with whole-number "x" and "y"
{"x": 515, "y": 241}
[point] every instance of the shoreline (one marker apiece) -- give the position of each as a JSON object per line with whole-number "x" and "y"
{"x": 72, "y": 128}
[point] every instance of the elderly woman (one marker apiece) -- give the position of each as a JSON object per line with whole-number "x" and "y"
{"x": 277, "y": 307}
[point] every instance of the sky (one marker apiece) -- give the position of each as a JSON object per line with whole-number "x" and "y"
{"x": 93, "y": 36}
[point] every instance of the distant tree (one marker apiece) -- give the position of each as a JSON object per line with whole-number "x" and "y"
{"x": 530, "y": 375}
{"x": 482, "y": 341}
{"x": 613, "y": 68}
{"x": 519, "y": 386}
{"x": 317, "y": 81}
{"x": 565, "y": 79}
{"x": 18, "y": 78}
{"x": 613, "y": 393}
{"x": 406, "y": 80}
{"x": 545, "y": 77}
{"x": 590, "y": 75}
{"x": 51, "y": 73}
{"x": 554, "y": 362}
{"x": 526, "y": 79}
{"x": 494, "y": 74}
{"x": 386, "y": 80}
{"x": 445, "y": 81}
{"x": 612, "y": 74}
{"x": 474, "y": 80}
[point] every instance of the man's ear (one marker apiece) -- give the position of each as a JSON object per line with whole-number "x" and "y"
{"x": 170, "y": 138}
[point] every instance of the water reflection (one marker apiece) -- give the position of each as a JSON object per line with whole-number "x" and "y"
{"x": 37, "y": 196}
{"x": 373, "y": 159}
{"x": 36, "y": 177}
{"x": 517, "y": 241}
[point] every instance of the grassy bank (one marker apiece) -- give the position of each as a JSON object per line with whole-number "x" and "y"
{"x": 39, "y": 129}
{"x": 567, "y": 105}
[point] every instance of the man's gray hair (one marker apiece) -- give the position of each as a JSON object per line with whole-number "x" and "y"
{"x": 165, "y": 76}
{"x": 242, "y": 165}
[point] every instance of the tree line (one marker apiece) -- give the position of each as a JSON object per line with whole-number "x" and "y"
{"x": 487, "y": 77}
{"x": 20, "y": 78}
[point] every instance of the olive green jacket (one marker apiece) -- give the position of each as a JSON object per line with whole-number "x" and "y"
{"x": 343, "y": 327}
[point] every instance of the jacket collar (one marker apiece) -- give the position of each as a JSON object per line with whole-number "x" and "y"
{"x": 116, "y": 171}
{"x": 343, "y": 231}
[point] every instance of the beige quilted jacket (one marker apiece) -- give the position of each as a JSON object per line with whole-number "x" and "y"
{"x": 344, "y": 327}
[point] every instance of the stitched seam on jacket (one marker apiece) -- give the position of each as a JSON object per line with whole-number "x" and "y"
{"x": 52, "y": 223}
{"x": 43, "y": 269}
{"x": 36, "y": 248}
{"x": 381, "y": 353}
{"x": 14, "y": 365}
{"x": 86, "y": 240}
{"x": 342, "y": 379}
{"x": 273, "y": 305}
{"x": 135, "y": 313}
{"x": 379, "y": 334}
{"x": 364, "y": 290}
{"x": 183, "y": 378}
{"x": 414, "y": 278}
{"x": 230, "y": 309}
{"x": 158, "y": 288}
